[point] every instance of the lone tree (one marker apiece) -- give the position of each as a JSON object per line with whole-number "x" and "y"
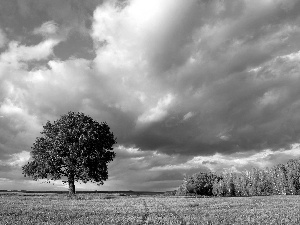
{"x": 75, "y": 147}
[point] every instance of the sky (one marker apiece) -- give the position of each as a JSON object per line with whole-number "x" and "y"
{"x": 186, "y": 86}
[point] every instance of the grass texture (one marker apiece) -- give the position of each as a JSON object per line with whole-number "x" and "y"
{"x": 112, "y": 209}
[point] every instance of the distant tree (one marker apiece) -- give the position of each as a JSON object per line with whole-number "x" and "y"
{"x": 191, "y": 185}
{"x": 226, "y": 185}
{"x": 182, "y": 189}
{"x": 230, "y": 184}
{"x": 280, "y": 180}
{"x": 75, "y": 147}
{"x": 236, "y": 179}
{"x": 201, "y": 183}
{"x": 219, "y": 187}
{"x": 264, "y": 183}
{"x": 240, "y": 184}
{"x": 293, "y": 176}
{"x": 253, "y": 184}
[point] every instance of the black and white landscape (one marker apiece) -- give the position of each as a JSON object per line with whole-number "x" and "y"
{"x": 186, "y": 86}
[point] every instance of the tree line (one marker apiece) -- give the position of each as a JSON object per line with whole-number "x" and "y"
{"x": 281, "y": 179}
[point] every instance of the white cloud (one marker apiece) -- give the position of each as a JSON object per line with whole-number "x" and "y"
{"x": 9, "y": 108}
{"x": 19, "y": 125}
{"x": 134, "y": 50}
{"x": 224, "y": 137}
{"x": 46, "y": 29}
{"x": 269, "y": 98}
{"x": 241, "y": 161}
{"x": 188, "y": 115}
{"x": 4, "y": 179}
{"x": 18, "y": 53}
{"x": 295, "y": 56}
{"x": 157, "y": 113}
{"x": 19, "y": 159}
{"x": 235, "y": 162}
{"x": 16, "y": 159}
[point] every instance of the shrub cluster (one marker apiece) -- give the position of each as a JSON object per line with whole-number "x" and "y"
{"x": 282, "y": 179}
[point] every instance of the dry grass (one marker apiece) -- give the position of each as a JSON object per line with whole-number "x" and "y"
{"x": 111, "y": 209}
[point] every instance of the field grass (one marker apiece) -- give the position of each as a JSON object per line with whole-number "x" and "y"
{"x": 113, "y": 209}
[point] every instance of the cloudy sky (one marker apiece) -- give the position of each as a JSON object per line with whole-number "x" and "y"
{"x": 185, "y": 85}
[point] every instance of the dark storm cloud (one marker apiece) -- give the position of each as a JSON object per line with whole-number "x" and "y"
{"x": 233, "y": 71}
{"x": 73, "y": 14}
{"x": 148, "y": 170}
{"x": 21, "y": 21}
{"x": 5, "y": 168}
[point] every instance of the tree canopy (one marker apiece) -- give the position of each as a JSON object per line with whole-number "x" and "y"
{"x": 74, "y": 147}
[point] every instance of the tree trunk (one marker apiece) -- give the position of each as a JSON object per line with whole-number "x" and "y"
{"x": 71, "y": 185}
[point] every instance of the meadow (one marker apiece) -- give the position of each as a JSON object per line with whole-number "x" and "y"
{"x": 25, "y": 208}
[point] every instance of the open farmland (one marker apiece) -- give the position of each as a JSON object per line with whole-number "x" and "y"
{"x": 113, "y": 209}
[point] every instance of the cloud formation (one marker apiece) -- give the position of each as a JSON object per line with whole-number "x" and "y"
{"x": 185, "y": 85}
{"x": 218, "y": 61}
{"x": 47, "y": 28}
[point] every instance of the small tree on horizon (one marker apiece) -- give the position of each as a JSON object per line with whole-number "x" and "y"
{"x": 75, "y": 147}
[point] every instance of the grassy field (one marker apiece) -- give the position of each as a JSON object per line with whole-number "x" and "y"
{"x": 112, "y": 209}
